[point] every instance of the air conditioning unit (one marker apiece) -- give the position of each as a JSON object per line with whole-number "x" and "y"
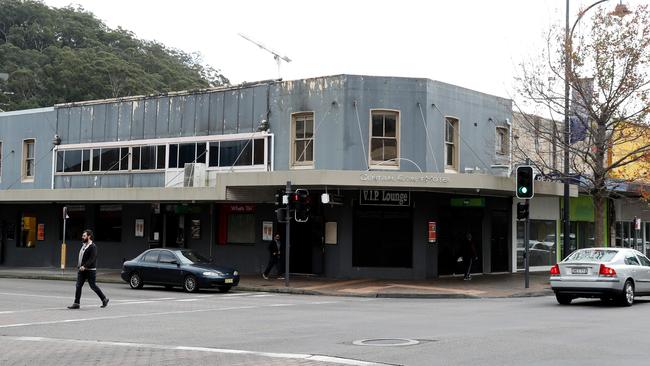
{"x": 194, "y": 175}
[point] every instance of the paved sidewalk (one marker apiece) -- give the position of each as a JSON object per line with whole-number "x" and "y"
{"x": 481, "y": 286}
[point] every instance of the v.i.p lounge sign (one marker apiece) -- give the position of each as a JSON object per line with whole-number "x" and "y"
{"x": 378, "y": 197}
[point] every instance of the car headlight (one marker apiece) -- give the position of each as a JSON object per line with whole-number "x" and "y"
{"x": 235, "y": 273}
{"x": 212, "y": 274}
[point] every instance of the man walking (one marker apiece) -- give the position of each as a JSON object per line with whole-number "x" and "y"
{"x": 274, "y": 256}
{"x": 87, "y": 270}
{"x": 469, "y": 256}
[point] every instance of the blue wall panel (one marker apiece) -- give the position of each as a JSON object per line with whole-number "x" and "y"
{"x": 245, "y": 115}
{"x": 189, "y": 111}
{"x": 162, "y": 122}
{"x": 125, "y": 121}
{"x": 216, "y": 113}
{"x": 99, "y": 123}
{"x": 150, "y": 115}
{"x": 87, "y": 123}
{"x": 176, "y": 116}
{"x": 74, "y": 132}
{"x": 230, "y": 115}
{"x": 111, "y": 121}
{"x": 137, "y": 125}
{"x": 202, "y": 114}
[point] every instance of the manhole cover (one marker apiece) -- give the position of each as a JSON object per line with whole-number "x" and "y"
{"x": 386, "y": 342}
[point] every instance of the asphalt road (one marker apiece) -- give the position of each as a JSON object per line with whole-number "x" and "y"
{"x": 154, "y": 326}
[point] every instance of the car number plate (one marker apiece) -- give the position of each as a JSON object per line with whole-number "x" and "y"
{"x": 578, "y": 271}
{"x": 228, "y": 280}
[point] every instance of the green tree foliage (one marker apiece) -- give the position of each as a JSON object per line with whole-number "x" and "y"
{"x": 65, "y": 55}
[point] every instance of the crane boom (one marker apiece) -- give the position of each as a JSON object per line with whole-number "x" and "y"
{"x": 276, "y": 56}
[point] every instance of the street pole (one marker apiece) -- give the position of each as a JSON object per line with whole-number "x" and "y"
{"x": 567, "y": 67}
{"x": 287, "y": 246}
{"x": 526, "y": 243}
{"x": 63, "y": 245}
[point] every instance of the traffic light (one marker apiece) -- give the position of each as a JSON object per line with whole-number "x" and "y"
{"x": 302, "y": 205}
{"x": 525, "y": 182}
{"x": 281, "y": 198}
{"x": 522, "y": 210}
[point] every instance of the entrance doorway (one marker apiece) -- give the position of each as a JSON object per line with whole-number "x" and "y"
{"x": 174, "y": 228}
{"x": 383, "y": 237}
{"x": 455, "y": 224}
{"x": 306, "y": 249}
{"x": 499, "y": 241}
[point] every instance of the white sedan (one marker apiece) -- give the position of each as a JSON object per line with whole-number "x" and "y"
{"x": 617, "y": 274}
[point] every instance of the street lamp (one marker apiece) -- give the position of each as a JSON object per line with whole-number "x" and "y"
{"x": 621, "y": 10}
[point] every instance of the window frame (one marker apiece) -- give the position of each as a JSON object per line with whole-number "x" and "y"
{"x": 385, "y": 164}
{"x": 23, "y": 174}
{"x": 306, "y": 164}
{"x": 455, "y": 166}
{"x": 504, "y": 147}
{"x": 164, "y": 144}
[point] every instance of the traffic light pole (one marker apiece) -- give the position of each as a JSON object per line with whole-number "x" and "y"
{"x": 526, "y": 244}
{"x": 287, "y": 245}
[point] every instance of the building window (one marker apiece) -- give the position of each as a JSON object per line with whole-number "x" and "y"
{"x": 451, "y": 143}
{"x": 384, "y": 138}
{"x": 542, "y": 244}
{"x": 502, "y": 140}
{"x": 241, "y": 228}
{"x": 302, "y": 144}
{"x": 27, "y": 238}
{"x": 109, "y": 223}
{"x": 29, "y": 159}
{"x": 227, "y": 154}
{"x": 148, "y": 157}
{"x": 181, "y": 154}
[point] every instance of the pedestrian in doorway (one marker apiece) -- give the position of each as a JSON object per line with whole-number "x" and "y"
{"x": 274, "y": 256}
{"x": 469, "y": 256}
{"x": 87, "y": 265}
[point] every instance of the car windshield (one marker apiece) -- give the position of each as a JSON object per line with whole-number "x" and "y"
{"x": 592, "y": 255}
{"x": 190, "y": 257}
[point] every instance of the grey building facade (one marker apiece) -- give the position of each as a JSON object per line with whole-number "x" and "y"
{"x": 411, "y": 166}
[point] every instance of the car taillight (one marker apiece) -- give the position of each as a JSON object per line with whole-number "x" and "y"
{"x": 606, "y": 271}
{"x": 555, "y": 270}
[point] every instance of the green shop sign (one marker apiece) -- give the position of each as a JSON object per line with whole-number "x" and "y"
{"x": 468, "y": 202}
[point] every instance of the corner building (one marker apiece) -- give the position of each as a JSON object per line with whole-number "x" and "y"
{"x": 410, "y": 165}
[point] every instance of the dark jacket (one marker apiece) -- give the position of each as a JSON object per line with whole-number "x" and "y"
{"x": 273, "y": 248}
{"x": 469, "y": 250}
{"x": 89, "y": 260}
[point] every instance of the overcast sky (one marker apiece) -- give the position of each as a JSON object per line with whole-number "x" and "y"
{"x": 471, "y": 43}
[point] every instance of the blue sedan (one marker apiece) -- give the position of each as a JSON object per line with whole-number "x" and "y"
{"x": 177, "y": 267}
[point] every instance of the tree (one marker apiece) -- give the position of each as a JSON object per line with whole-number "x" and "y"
{"x": 66, "y": 55}
{"x": 610, "y": 81}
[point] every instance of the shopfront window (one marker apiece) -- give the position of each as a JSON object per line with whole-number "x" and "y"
{"x": 27, "y": 237}
{"x": 542, "y": 244}
{"x": 241, "y": 228}
{"x": 109, "y": 223}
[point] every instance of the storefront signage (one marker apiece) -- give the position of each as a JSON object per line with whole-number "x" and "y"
{"x": 400, "y": 178}
{"x": 195, "y": 229}
{"x": 267, "y": 230}
{"x": 468, "y": 202}
{"x": 433, "y": 234}
{"x": 40, "y": 233}
{"x": 377, "y": 197}
{"x": 241, "y": 208}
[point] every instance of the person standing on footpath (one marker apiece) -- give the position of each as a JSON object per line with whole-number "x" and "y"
{"x": 274, "y": 257}
{"x": 469, "y": 256}
{"x": 87, "y": 270}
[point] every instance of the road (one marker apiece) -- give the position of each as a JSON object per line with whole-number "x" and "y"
{"x": 154, "y": 326}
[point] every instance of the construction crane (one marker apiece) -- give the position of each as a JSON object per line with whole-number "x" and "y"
{"x": 276, "y": 56}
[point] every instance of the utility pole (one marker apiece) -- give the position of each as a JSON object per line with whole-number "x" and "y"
{"x": 287, "y": 245}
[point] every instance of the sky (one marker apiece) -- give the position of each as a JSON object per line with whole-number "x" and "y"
{"x": 471, "y": 43}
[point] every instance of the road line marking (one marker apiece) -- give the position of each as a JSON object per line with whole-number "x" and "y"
{"x": 187, "y": 300}
{"x": 302, "y": 356}
{"x": 263, "y": 295}
{"x": 77, "y": 320}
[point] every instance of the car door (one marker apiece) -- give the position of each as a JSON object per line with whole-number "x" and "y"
{"x": 169, "y": 272}
{"x": 644, "y": 274}
{"x": 149, "y": 266}
{"x": 633, "y": 268}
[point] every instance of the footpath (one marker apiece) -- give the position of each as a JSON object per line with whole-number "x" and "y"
{"x": 506, "y": 285}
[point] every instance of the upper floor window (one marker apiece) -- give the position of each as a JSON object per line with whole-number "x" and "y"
{"x": 188, "y": 153}
{"x": 501, "y": 140}
{"x": 29, "y": 162}
{"x": 451, "y": 143}
{"x": 384, "y": 138}
{"x": 302, "y": 135}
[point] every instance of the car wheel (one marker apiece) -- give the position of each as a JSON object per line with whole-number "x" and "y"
{"x": 224, "y": 289}
{"x": 563, "y": 299}
{"x": 135, "y": 281}
{"x": 627, "y": 297}
{"x": 190, "y": 284}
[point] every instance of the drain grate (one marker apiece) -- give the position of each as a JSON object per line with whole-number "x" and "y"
{"x": 386, "y": 342}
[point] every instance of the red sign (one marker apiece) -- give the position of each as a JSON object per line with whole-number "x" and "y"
{"x": 40, "y": 232}
{"x": 433, "y": 236}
